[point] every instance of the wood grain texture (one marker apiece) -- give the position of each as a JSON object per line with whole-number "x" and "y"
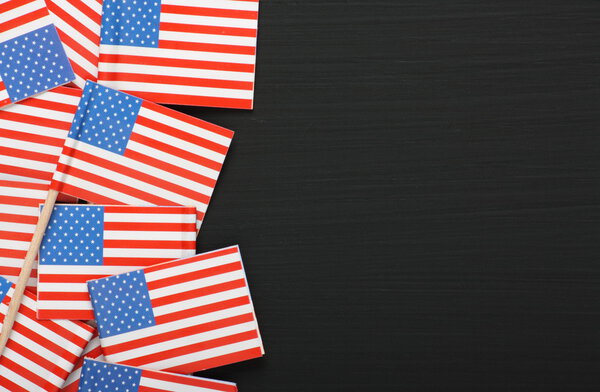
{"x": 416, "y": 196}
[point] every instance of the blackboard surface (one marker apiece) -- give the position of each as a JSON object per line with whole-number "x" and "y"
{"x": 416, "y": 196}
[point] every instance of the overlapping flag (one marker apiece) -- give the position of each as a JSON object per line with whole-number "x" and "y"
{"x": 128, "y": 262}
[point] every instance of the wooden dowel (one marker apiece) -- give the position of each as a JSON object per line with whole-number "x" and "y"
{"x": 32, "y": 252}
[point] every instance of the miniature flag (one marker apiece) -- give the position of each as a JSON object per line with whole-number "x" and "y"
{"x": 181, "y": 316}
{"x": 39, "y": 355}
{"x": 92, "y": 351}
{"x": 78, "y": 26}
{"x": 124, "y": 150}
{"x": 187, "y": 52}
{"x": 33, "y": 132}
{"x": 32, "y": 58}
{"x": 19, "y": 211}
{"x": 98, "y": 376}
{"x": 84, "y": 242}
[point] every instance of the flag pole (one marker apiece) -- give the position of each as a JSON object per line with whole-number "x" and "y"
{"x": 32, "y": 252}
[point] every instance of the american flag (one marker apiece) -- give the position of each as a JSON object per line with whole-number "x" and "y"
{"x": 98, "y": 376}
{"x": 33, "y": 132}
{"x": 78, "y": 25}
{"x": 92, "y": 351}
{"x": 32, "y": 58}
{"x": 124, "y": 150}
{"x": 188, "y": 52}
{"x": 186, "y": 315}
{"x": 84, "y": 242}
{"x": 19, "y": 211}
{"x": 39, "y": 355}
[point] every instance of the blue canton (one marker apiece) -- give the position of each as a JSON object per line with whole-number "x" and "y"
{"x": 130, "y": 22}
{"x": 121, "y": 303}
{"x": 34, "y": 62}
{"x": 107, "y": 377}
{"x": 5, "y": 285}
{"x": 105, "y": 118}
{"x": 75, "y": 236}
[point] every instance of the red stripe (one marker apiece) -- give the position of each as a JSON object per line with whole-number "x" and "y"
{"x": 68, "y": 278}
{"x": 215, "y": 30}
{"x": 23, "y": 185}
{"x": 147, "y": 210}
{"x": 217, "y": 361}
{"x": 30, "y": 155}
{"x": 41, "y": 121}
{"x": 192, "y": 348}
{"x": 11, "y": 5}
{"x": 9, "y": 271}
{"x": 13, "y": 254}
{"x": 205, "y": 273}
{"x": 30, "y": 173}
{"x": 182, "y": 99}
{"x": 18, "y": 218}
{"x": 191, "y": 381}
{"x": 23, "y": 19}
{"x": 134, "y": 261}
{"x": 72, "y": 91}
{"x": 15, "y": 236}
{"x": 149, "y": 244}
{"x": 202, "y": 291}
{"x": 5, "y": 101}
{"x": 138, "y": 175}
{"x": 50, "y": 314}
{"x": 64, "y": 296}
{"x": 180, "y": 63}
{"x": 193, "y": 259}
{"x": 149, "y": 226}
{"x": 20, "y": 201}
{"x": 167, "y": 79}
{"x": 199, "y": 310}
{"x": 178, "y": 333}
{"x": 203, "y": 47}
{"x": 203, "y": 11}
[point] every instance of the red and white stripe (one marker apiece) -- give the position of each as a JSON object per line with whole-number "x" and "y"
{"x": 92, "y": 351}
{"x": 39, "y": 355}
{"x": 134, "y": 237}
{"x": 33, "y": 132}
{"x": 206, "y": 56}
{"x": 171, "y": 159}
{"x": 19, "y": 211}
{"x": 204, "y": 317}
{"x": 4, "y": 98}
{"x": 78, "y": 25}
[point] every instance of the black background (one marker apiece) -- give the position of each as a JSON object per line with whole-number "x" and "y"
{"x": 416, "y": 196}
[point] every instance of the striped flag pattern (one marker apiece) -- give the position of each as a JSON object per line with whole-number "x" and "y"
{"x": 39, "y": 355}
{"x": 33, "y": 132}
{"x": 92, "y": 351}
{"x": 78, "y": 26}
{"x": 124, "y": 150}
{"x": 98, "y": 376}
{"x": 188, "y": 52}
{"x": 186, "y": 315}
{"x": 32, "y": 58}
{"x": 19, "y": 211}
{"x": 84, "y": 242}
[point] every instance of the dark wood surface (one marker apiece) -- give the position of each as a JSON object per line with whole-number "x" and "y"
{"x": 416, "y": 196}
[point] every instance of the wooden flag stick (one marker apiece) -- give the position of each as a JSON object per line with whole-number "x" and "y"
{"x": 32, "y": 252}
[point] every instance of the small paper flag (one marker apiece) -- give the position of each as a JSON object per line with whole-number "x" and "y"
{"x": 33, "y": 132}
{"x": 187, "y": 52}
{"x": 98, "y": 376}
{"x": 78, "y": 26}
{"x": 124, "y": 150}
{"x": 32, "y": 58}
{"x": 39, "y": 355}
{"x": 19, "y": 211}
{"x": 181, "y": 316}
{"x": 84, "y": 242}
{"x": 92, "y": 351}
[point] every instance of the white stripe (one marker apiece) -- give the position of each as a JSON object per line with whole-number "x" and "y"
{"x": 62, "y": 287}
{"x": 4, "y": 94}
{"x": 178, "y": 89}
{"x": 33, "y": 129}
{"x": 31, "y": 282}
{"x": 177, "y": 71}
{"x": 178, "y": 54}
{"x": 53, "y": 96}
{"x": 19, "y": 210}
{"x": 179, "y": 324}
{"x": 149, "y": 253}
{"x": 31, "y": 146}
{"x": 14, "y": 177}
{"x": 150, "y": 217}
{"x": 207, "y": 38}
{"x": 26, "y": 28}
{"x": 11, "y": 262}
{"x": 182, "y": 341}
{"x": 115, "y": 176}
{"x": 205, "y": 354}
{"x": 151, "y": 236}
{"x": 193, "y": 267}
{"x": 185, "y": 126}
{"x": 29, "y": 163}
{"x": 64, "y": 304}
{"x": 184, "y": 287}
{"x": 208, "y": 20}
{"x": 84, "y": 270}
{"x": 222, "y": 4}
{"x": 199, "y": 301}
{"x": 162, "y": 385}
{"x": 23, "y": 192}
{"x": 17, "y": 227}
{"x": 48, "y": 114}
{"x": 14, "y": 245}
